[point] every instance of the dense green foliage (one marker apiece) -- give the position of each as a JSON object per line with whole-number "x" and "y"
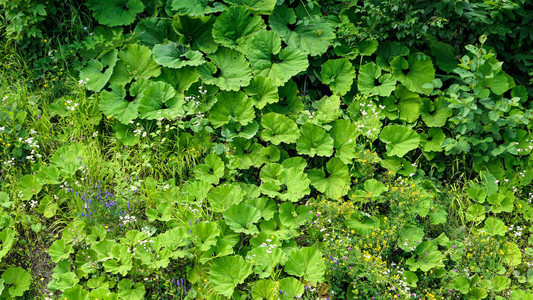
{"x": 263, "y": 149}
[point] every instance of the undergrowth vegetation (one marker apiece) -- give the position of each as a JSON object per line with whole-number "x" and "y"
{"x": 266, "y": 149}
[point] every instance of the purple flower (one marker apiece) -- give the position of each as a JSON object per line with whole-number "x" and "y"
{"x": 453, "y": 246}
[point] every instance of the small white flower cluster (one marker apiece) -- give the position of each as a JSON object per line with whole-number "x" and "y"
{"x": 192, "y": 99}
{"x": 83, "y": 82}
{"x": 3, "y": 128}
{"x": 71, "y": 105}
{"x": 269, "y": 247}
{"x": 368, "y": 111}
{"x": 201, "y": 90}
{"x": 127, "y": 219}
{"x": 139, "y": 130}
{"x": 9, "y": 163}
{"x": 528, "y": 148}
{"x": 516, "y": 231}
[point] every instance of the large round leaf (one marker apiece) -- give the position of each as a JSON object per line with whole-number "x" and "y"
{"x": 371, "y": 82}
{"x": 435, "y": 113}
{"x": 224, "y": 196}
{"x": 173, "y": 55}
{"x": 234, "y": 27}
{"x": 241, "y": 217}
{"x": 153, "y": 31}
{"x": 196, "y": 32}
{"x": 289, "y": 183}
{"x": 158, "y": 101}
{"x": 18, "y": 280}
{"x": 96, "y": 73}
{"x": 196, "y": 7}
{"x": 314, "y": 140}
{"x": 232, "y": 106}
{"x": 228, "y": 271}
{"x": 269, "y": 60}
{"x": 338, "y": 74}
{"x": 416, "y": 73}
{"x": 139, "y": 62}
{"x": 263, "y": 91}
{"x": 129, "y": 291}
{"x": 228, "y": 70}
{"x": 313, "y": 36}
{"x": 279, "y": 129}
{"x": 336, "y": 183}
{"x": 113, "y": 103}
{"x": 399, "y": 139}
{"x": 344, "y": 135}
{"x": 433, "y": 140}
{"x": 307, "y": 263}
{"x": 263, "y": 7}
{"x": 115, "y": 12}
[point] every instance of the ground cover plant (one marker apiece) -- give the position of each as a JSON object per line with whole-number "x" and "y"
{"x": 266, "y": 150}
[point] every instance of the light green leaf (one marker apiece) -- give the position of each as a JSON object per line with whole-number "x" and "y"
{"x": 196, "y": 7}
{"x": 241, "y": 217}
{"x": 433, "y": 140}
{"x": 287, "y": 183}
{"x": 416, "y": 73}
{"x": 5, "y": 201}
{"x": 115, "y": 12}
{"x": 207, "y": 235}
{"x": 196, "y": 32}
{"x": 155, "y": 102}
{"x": 338, "y": 74}
{"x": 232, "y": 107}
{"x": 28, "y": 186}
{"x": 371, "y": 82}
{"x": 7, "y": 236}
{"x": 336, "y": 184}
{"x": 327, "y": 109}
{"x": 306, "y": 262}
{"x": 290, "y": 288}
{"x": 435, "y": 113}
{"x": 263, "y": 91}
{"x": 139, "y": 61}
{"x": 407, "y": 103}
{"x": 314, "y": 140}
{"x": 410, "y": 238}
{"x": 174, "y": 56}
{"x": 96, "y": 73}
{"x": 60, "y": 250}
{"x": 211, "y": 170}
{"x": 278, "y": 129}
{"x": 234, "y": 27}
{"x": 226, "y": 272}
{"x": 121, "y": 262}
{"x": 18, "y": 280}
{"x": 228, "y": 70}
{"x": 344, "y": 134}
{"x": 127, "y": 292}
{"x": 399, "y": 139}
{"x": 264, "y": 289}
{"x": 263, "y": 7}
{"x": 494, "y": 226}
{"x": 113, "y": 104}
{"x": 224, "y": 196}
{"x": 269, "y": 60}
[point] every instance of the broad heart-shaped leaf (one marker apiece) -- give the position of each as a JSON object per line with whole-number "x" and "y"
{"x": 338, "y": 74}
{"x": 265, "y": 289}
{"x": 153, "y": 31}
{"x": 400, "y": 139}
{"x": 336, "y": 184}
{"x": 174, "y": 56}
{"x": 263, "y": 91}
{"x": 416, "y": 73}
{"x": 279, "y": 129}
{"x": 410, "y": 238}
{"x": 207, "y": 235}
{"x": 228, "y": 271}
{"x": 113, "y": 103}
{"x": 444, "y": 55}
{"x": 290, "y": 288}
{"x": 196, "y": 7}
{"x": 306, "y": 262}
{"x": 228, "y": 70}
{"x": 344, "y": 135}
{"x": 7, "y": 236}
{"x": 371, "y": 82}
{"x": 28, "y": 186}
{"x": 97, "y": 72}
{"x": 5, "y": 202}
{"x": 234, "y": 27}
{"x": 269, "y": 60}
{"x": 121, "y": 262}
{"x": 232, "y": 106}
{"x": 289, "y": 103}
{"x": 263, "y": 7}
{"x": 60, "y": 250}
{"x": 327, "y": 109}
{"x": 314, "y": 140}
{"x": 387, "y": 51}
{"x": 211, "y": 170}
{"x": 139, "y": 62}
{"x": 224, "y": 196}
{"x": 127, "y": 292}
{"x": 433, "y": 140}
{"x": 494, "y": 226}
{"x": 313, "y": 36}
{"x": 407, "y": 104}
{"x": 196, "y": 32}
{"x": 241, "y": 217}
{"x": 115, "y": 12}
{"x": 289, "y": 183}
{"x": 18, "y": 280}
{"x": 435, "y": 113}
{"x": 155, "y": 102}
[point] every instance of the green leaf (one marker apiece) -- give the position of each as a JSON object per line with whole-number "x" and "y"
{"x": 211, "y": 170}
{"x": 313, "y": 37}
{"x": 232, "y": 107}
{"x": 156, "y": 102}
{"x": 115, "y": 12}
{"x": 374, "y": 188}
{"x": 399, "y": 139}
{"x": 416, "y": 73}
{"x": 314, "y": 141}
{"x": 241, "y": 217}
{"x": 234, "y": 27}
{"x": 7, "y": 236}
{"x": 228, "y": 70}
{"x": 406, "y": 102}
{"x": 4, "y": 200}
{"x": 196, "y": 32}
{"x": 18, "y": 280}
{"x": 475, "y": 213}
{"x": 371, "y": 82}
{"x": 410, "y": 238}
{"x": 289, "y": 103}
{"x": 500, "y": 283}
{"x": 224, "y": 196}
{"x": 306, "y": 262}
{"x": 207, "y": 235}
{"x": 338, "y": 74}
{"x": 344, "y": 134}
{"x": 153, "y": 31}
{"x": 286, "y": 183}
{"x": 290, "y": 288}
{"x": 96, "y": 73}
{"x": 513, "y": 254}
{"x": 174, "y": 56}
{"x": 196, "y": 7}
{"x": 75, "y": 292}
{"x": 269, "y": 60}
{"x": 444, "y": 55}
{"x": 113, "y": 104}
{"x": 264, "y": 289}
{"x": 126, "y": 292}
{"x": 263, "y": 7}
{"x": 328, "y": 109}
{"x": 226, "y": 272}
{"x": 60, "y": 250}
{"x": 278, "y": 129}
{"x": 336, "y": 184}
{"x": 139, "y": 61}
{"x": 121, "y": 262}
{"x": 461, "y": 284}
{"x": 263, "y": 91}
{"x": 494, "y": 226}
{"x": 435, "y": 113}
{"x": 28, "y": 186}
{"x": 434, "y": 139}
